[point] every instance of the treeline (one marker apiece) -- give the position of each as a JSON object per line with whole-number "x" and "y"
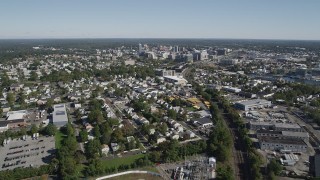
{"x": 106, "y": 74}
{"x": 312, "y": 113}
{"x": 253, "y": 156}
{"x": 96, "y": 167}
{"x": 171, "y": 151}
{"x": 68, "y": 156}
{"x": 22, "y": 173}
{"x": 293, "y": 91}
{"x": 220, "y": 144}
{"x": 220, "y": 141}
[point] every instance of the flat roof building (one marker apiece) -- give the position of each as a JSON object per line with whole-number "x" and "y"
{"x": 283, "y": 134}
{"x": 256, "y": 125}
{"x": 59, "y": 115}
{"x": 253, "y": 104}
{"x": 317, "y": 165}
{"x": 274, "y": 144}
{"x": 176, "y": 80}
{"x": 203, "y": 122}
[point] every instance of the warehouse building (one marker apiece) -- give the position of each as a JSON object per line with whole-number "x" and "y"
{"x": 176, "y": 80}
{"x": 283, "y": 134}
{"x": 253, "y": 104}
{"x": 256, "y": 125}
{"x": 59, "y": 116}
{"x": 203, "y": 122}
{"x": 287, "y": 145}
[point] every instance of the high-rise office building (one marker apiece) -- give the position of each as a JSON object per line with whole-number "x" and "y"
{"x": 141, "y": 50}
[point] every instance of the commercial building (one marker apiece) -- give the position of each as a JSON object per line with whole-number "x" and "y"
{"x": 228, "y": 61}
{"x": 11, "y": 124}
{"x": 231, "y": 89}
{"x": 257, "y": 125}
{"x": 253, "y": 104}
{"x": 283, "y": 134}
{"x": 13, "y": 115}
{"x": 165, "y": 72}
{"x": 176, "y": 80}
{"x": 289, "y": 159}
{"x": 317, "y": 165}
{"x": 59, "y": 115}
{"x": 288, "y": 127}
{"x": 203, "y": 122}
{"x": 287, "y": 145}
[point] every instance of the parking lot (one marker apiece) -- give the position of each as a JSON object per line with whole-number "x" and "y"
{"x": 31, "y": 152}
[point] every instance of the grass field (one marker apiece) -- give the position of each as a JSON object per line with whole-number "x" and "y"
{"x": 58, "y": 139}
{"x": 191, "y": 109}
{"x": 116, "y": 162}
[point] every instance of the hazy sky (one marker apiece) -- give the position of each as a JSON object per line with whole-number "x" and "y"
{"x": 257, "y": 19}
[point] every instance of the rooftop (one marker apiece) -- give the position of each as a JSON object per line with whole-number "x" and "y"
{"x": 204, "y": 120}
{"x": 282, "y": 141}
{"x": 254, "y": 101}
{"x": 59, "y": 113}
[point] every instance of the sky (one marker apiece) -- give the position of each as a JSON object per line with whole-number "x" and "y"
{"x": 231, "y": 19}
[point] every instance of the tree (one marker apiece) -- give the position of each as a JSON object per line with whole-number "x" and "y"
{"x": 95, "y": 116}
{"x": 34, "y": 129}
{"x": 83, "y": 135}
{"x": 172, "y": 114}
{"x": 274, "y": 167}
{"x": 49, "y": 103}
{"x": 10, "y": 98}
{"x": 92, "y": 148}
{"x": 224, "y": 172}
{"x": 79, "y": 156}
{"x": 105, "y": 138}
{"x": 50, "y": 129}
{"x": 71, "y": 143}
{"x": 117, "y": 136}
{"x": 145, "y": 129}
{"x": 68, "y": 168}
{"x": 69, "y": 129}
{"x": 96, "y": 131}
{"x": 163, "y": 128}
{"x": 95, "y": 167}
{"x": 155, "y": 156}
{"x": 33, "y": 76}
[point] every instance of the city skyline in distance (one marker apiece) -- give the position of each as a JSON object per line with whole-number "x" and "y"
{"x": 285, "y": 20}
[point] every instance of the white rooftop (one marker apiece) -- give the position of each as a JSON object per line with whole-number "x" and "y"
{"x": 59, "y": 113}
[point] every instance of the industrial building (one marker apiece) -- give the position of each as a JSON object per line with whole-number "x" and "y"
{"x": 176, "y": 80}
{"x": 317, "y": 165}
{"x": 286, "y": 145}
{"x": 257, "y": 125}
{"x": 165, "y": 72}
{"x": 203, "y": 122}
{"x": 59, "y": 115}
{"x": 253, "y": 104}
{"x": 283, "y": 134}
